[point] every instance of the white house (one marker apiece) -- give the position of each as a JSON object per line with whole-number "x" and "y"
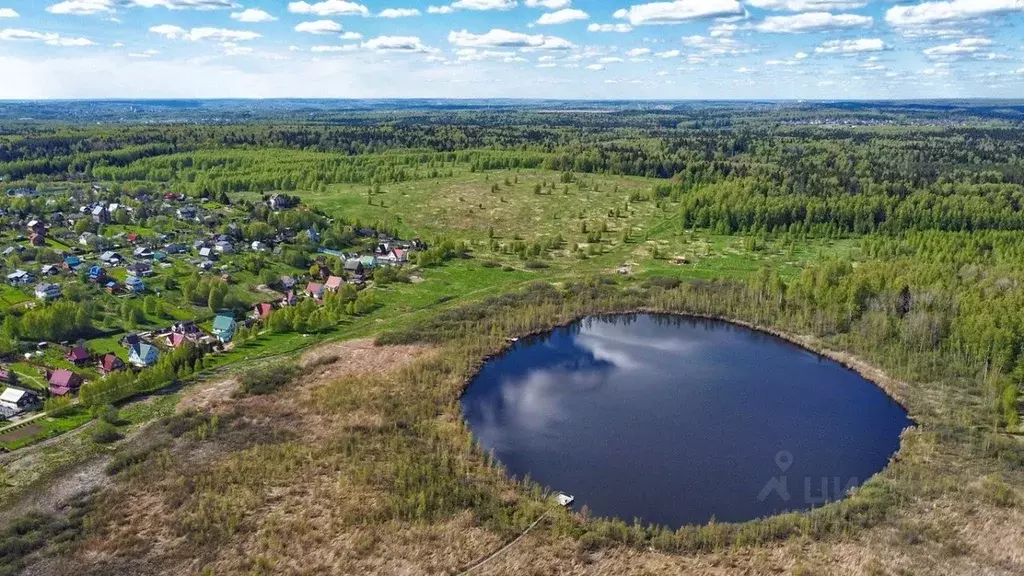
{"x": 48, "y": 291}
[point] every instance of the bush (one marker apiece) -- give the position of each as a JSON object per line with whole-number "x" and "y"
{"x": 58, "y": 406}
{"x": 535, "y": 265}
{"x": 267, "y": 380}
{"x": 666, "y": 282}
{"x": 105, "y": 433}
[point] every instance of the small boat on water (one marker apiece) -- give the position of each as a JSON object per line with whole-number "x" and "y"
{"x": 564, "y": 499}
{"x": 513, "y": 339}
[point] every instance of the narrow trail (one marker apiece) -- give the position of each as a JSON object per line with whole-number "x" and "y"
{"x": 467, "y": 571}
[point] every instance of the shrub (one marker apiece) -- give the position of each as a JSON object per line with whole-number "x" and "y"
{"x": 267, "y": 380}
{"x": 105, "y": 433}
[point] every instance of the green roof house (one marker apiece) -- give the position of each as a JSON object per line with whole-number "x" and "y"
{"x": 224, "y": 327}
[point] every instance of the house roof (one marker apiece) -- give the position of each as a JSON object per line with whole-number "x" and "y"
{"x": 12, "y": 395}
{"x": 78, "y": 353}
{"x": 177, "y": 339}
{"x": 223, "y": 322}
{"x": 143, "y": 350}
{"x": 314, "y": 288}
{"x": 264, "y": 309}
{"x": 335, "y": 281}
{"x": 110, "y": 362}
{"x": 64, "y": 378}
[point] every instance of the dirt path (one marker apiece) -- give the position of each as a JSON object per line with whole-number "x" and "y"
{"x": 503, "y": 548}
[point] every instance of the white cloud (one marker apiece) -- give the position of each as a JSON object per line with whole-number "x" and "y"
{"x": 440, "y": 10}
{"x": 668, "y": 54}
{"x": 351, "y": 36}
{"x": 398, "y": 13}
{"x": 182, "y": 4}
{"x": 484, "y": 4}
{"x": 547, "y": 65}
{"x": 595, "y": 67}
{"x": 549, "y": 4}
{"x": 329, "y": 8}
{"x": 852, "y": 46}
{"x": 638, "y": 52}
{"x": 396, "y": 44}
{"x": 82, "y": 7}
{"x": 252, "y": 16}
{"x": 232, "y": 49}
{"x": 48, "y": 38}
{"x": 563, "y": 16}
{"x": 964, "y": 46}
{"x": 811, "y": 22}
{"x": 345, "y": 48}
{"x": 498, "y": 38}
{"x": 715, "y": 46}
{"x": 8, "y": 13}
{"x": 609, "y": 28}
{"x": 744, "y": 70}
{"x": 678, "y": 11}
{"x": 801, "y": 55}
{"x": 807, "y": 5}
{"x": 610, "y": 60}
{"x": 203, "y": 33}
{"x": 936, "y": 13}
{"x": 319, "y": 27}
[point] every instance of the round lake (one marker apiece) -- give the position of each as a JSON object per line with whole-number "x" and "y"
{"x": 676, "y": 420}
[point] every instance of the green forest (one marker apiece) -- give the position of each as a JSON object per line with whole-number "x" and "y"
{"x": 887, "y": 238}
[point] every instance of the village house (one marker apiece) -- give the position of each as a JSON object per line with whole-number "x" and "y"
{"x": 78, "y": 356}
{"x": 97, "y": 274}
{"x": 64, "y": 382}
{"x": 19, "y": 278}
{"x": 49, "y": 270}
{"x": 143, "y": 354}
{"x": 135, "y": 284}
{"x": 71, "y": 263}
{"x": 100, "y": 215}
{"x": 140, "y": 269}
{"x": 334, "y": 283}
{"x": 263, "y": 310}
{"x": 36, "y": 227}
{"x": 315, "y": 290}
{"x": 37, "y": 240}
{"x": 224, "y": 327}
{"x": 111, "y": 258}
{"x": 15, "y": 401}
{"x": 48, "y": 291}
{"x": 280, "y": 202}
{"x": 258, "y": 246}
{"x": 287, "y": 282}
{"x": 354, "y": 266}
{"x": 110, "y": 363}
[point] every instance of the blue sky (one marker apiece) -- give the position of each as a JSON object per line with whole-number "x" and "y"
{"x": 715, "y": 49}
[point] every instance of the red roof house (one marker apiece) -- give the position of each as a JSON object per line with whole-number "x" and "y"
{"x": 78, "y": 356}
{"x": 176, "y": 339}
{"x": 263, "y": 310}
{"x": 133, "y": 237}
{"x": 334, "y": 283}
{"x": 64, "y": 382}
{"x": 110, "y": 363}
{"x": 315, "y": 290}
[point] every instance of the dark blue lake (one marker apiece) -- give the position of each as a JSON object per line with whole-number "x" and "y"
{"x": 675, "y": 420}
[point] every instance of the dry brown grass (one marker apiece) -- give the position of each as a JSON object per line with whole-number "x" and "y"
{"x": 279, "y": 490}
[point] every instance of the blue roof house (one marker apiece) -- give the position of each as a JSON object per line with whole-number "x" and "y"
{"x": 224, "y": 327}
{"x": 135, "y": 284}
{"x": 143, "y": 354}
